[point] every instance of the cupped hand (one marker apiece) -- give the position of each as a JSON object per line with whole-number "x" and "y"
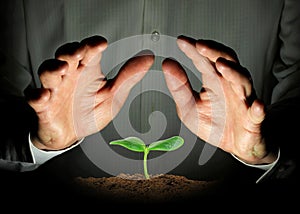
{"x": 75, "y": 99}
{"x": 226, "y": 112}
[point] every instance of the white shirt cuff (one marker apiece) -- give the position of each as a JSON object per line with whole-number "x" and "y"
{"x": 40, "y": 156}
{"x": 266, "y": 167}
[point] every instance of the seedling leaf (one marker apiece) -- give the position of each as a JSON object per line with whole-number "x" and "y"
{"x": 132, "y": 143}
{"x": 137, "y": 145}
{"x": 169, "y": 144}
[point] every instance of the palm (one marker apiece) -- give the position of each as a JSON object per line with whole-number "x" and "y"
{"x": 222, "y": 114}
{"x": 76, "y": 100}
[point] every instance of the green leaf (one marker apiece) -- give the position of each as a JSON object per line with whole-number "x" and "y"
{"x": 169, "y": 144}
{"x": 132, "y": 143}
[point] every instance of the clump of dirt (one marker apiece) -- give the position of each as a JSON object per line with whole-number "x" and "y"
{"x": 126, "y": 188}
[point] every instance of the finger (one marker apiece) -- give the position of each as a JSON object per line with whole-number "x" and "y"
{"x": 37, "y": 98}
{"x": 51, "y": 73}
{"x": 203, "y": 65}
{"x": 214, "y": 50}
{"x": 237, "y": 75}
{"x": 94, "y": 46}
{"x": 72, "y": 53}
{"x": 178, "y": 85}
{"x": 129, "y": 75}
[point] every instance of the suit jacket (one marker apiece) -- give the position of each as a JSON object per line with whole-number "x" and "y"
{"x": 264, "y": 34}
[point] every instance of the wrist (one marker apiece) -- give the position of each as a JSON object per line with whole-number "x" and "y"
{"x": 265, "y": 166}
{"x": 269, "y": 158}
{"x": 41, "y": 156}
{"x": 254, "y": 159}
{"x": 51, "y": 145}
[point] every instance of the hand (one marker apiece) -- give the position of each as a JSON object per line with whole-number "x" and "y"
{"x": 226, "y": 112}
{"x": 76, "y": 99}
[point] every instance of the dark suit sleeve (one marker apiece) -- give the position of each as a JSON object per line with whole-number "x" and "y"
{"x": 15, "y": 76}
{"x": 280, "y": 127}
{"x": 17, "y": 120}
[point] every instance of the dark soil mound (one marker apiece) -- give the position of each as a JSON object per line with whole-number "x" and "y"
{"x": 126, "y": 188}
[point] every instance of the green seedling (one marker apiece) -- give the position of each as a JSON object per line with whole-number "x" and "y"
{"x": 137, "y": 145}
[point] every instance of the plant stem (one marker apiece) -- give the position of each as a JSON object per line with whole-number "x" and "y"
{"x": 146, "y": 152}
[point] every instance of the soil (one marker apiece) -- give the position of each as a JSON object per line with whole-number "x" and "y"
{"x": 163, "y": 188}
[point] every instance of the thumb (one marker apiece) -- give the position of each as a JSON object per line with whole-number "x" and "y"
{"x": 256, "y": 114}
{"x": 179, "y": 86}
{"x": 130, "y": 74}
